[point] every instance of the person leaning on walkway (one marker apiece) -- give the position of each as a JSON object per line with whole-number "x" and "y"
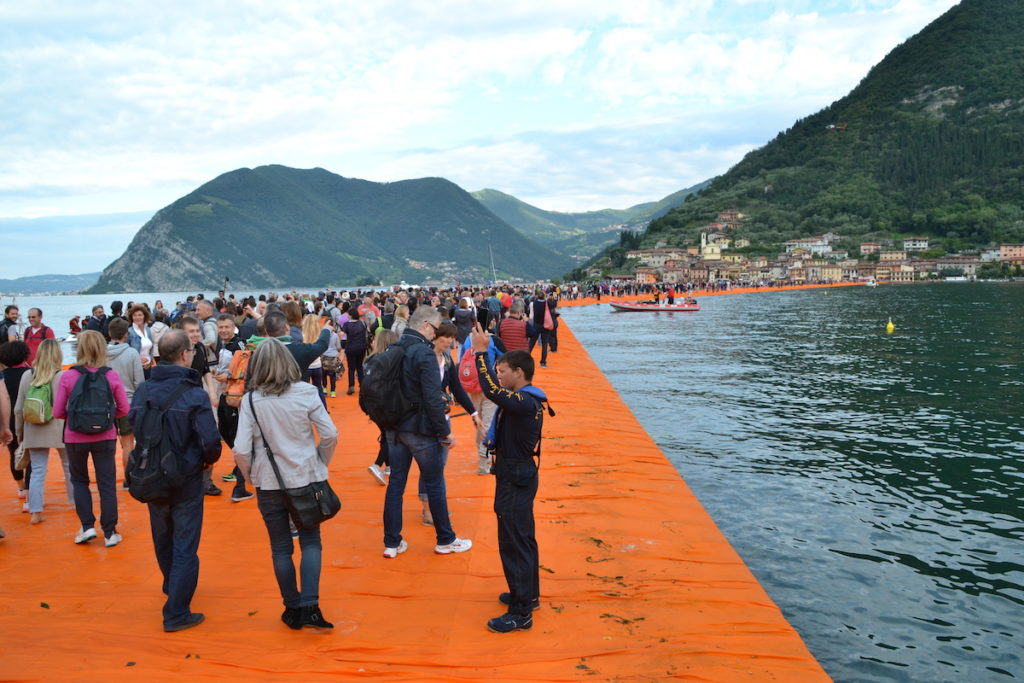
{"x": 421, "y": 435}
{"x": 514, "y": 436}
{"x": 283, "y": 409}
{"x": 176, "y": 524}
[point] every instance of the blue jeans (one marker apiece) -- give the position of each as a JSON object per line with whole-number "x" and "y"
{"x": 421, "y": 487}
{"x": 429, "y": 454}
{"x": 176, "y": 526}
{"x": 103, "y": 462}
{"x": 40, "y": 461}
{"x": 275, "y": 516}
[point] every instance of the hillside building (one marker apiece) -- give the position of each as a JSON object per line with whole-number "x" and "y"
{"x": 915, "y": 244}
{"x": 870, "y": 248}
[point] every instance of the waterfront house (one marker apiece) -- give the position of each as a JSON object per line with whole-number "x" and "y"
{"x": 1011, "y": 252}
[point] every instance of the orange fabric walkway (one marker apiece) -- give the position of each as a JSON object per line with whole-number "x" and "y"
{"x": 637, "y": 582}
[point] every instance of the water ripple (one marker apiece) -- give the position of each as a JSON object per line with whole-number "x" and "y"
{"x": 873, "y": 482}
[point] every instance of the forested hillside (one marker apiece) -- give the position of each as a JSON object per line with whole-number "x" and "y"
{"x": 276, "y": 226}
{"x": 931, "y": 142}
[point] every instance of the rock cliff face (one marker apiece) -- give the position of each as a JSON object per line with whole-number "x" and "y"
{"x": 274, "y": 226}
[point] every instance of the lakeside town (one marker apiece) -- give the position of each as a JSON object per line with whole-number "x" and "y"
{"x": 724, "y": 255}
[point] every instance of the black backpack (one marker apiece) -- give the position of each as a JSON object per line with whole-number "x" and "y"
{"x": 154, "y": 466}
{"x": 91, "y": 404}
{"x": 355, "y": 333}
{"x": 380, "y": 393}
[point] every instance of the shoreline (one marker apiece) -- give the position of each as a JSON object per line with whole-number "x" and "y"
{"x": 636, "y": 579}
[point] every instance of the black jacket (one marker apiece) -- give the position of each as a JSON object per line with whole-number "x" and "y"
{"x": 190, "y": 419}
{"x": 421, "y": 383}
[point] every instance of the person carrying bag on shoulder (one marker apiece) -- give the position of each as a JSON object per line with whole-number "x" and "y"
{"x": 276, "y": 449}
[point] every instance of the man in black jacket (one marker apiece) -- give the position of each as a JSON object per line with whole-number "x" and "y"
{"x": 276, "y": 325}
{"x": 424, "y": 435}
{"x": 514, "y": 437}
{"x": 176, "y": 524}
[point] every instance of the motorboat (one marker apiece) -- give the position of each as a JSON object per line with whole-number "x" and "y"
{"x": 684, "y": 306}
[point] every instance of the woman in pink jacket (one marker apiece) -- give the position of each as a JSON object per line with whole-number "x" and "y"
{"x": 101, "y": 445}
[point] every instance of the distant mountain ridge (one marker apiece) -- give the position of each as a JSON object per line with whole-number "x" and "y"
{"x": 931, "y": 142}
{"x": 579, "y": 234}
{"x": 47, "y": 284}
{"x": 273, "y": 226}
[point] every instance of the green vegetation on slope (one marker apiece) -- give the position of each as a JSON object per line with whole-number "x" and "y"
{"x": 931, "y": 142}
{"x": 274, "y": 226}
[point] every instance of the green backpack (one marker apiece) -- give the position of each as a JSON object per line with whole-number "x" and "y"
{"x": 38, "y": 406}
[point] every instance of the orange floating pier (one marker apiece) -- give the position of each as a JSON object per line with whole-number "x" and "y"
{"x": 637, "y": 582}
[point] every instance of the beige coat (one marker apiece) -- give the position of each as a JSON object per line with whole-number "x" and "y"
{"x": 49, "y": 435}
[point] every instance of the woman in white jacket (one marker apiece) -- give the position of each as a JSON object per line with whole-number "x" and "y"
{"x": 286, "y": 409}
{"x": 38, "y": 439}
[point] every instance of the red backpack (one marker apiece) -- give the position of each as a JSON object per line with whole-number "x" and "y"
{"x": 467, "y": 372}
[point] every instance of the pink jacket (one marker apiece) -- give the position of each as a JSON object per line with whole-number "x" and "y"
{"x": 60, "y": 405}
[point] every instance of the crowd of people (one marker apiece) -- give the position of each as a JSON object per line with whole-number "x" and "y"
{"x": 469, "y": 348}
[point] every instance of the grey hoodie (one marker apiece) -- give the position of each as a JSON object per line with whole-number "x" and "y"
{"x": 124, "y": 360}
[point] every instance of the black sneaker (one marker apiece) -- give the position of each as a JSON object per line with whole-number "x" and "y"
{"x": 239, "y": 496}
{"x": 212, "y": 490}
{"x": 193, "y": 619}
{"x": 508, "y": 622}
{"x": 506, "y": 599}
{"x": 313, "y": 618}
{"x": 292, "y": 617}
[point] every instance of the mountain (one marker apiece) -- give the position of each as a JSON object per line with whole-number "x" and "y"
{"x": 47, "y": 284}
{"x": 275, "y": 226}
{"x": 931, "y": 142}
{"x": 579, "y": 234}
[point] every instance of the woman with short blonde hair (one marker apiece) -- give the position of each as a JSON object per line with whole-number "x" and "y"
{"x": 38, "y": 439}
{"x": 281, "y": 410}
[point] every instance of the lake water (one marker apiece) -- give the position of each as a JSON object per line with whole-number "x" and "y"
{"x": 872, "y": 482}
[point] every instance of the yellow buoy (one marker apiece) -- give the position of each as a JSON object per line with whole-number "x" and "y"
{"x": 889, "y": 327}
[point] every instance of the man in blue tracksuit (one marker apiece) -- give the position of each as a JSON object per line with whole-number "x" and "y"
{"x": 177, "y": 522}
{"x": 514, "y": 436}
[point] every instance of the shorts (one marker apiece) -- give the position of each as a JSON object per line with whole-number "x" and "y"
{"x": 124, "y": 426}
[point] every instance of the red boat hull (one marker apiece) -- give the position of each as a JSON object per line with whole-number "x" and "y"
{"x": 663, "y": 307}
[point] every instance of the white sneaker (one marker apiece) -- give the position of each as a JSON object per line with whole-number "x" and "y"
{"x": 395, "y": 552}
{"x": 113, "y": 540}
{"x": 22, "y": 493}
{"x": 377, "y": 473}
{"x": 459, "y": 545}
{"x": 85, "y": 535}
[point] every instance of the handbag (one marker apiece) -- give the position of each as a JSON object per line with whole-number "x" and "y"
{"x": 549, "y": 322}
{"x": 21, "y": 458}
{"x": 308, "y": 505}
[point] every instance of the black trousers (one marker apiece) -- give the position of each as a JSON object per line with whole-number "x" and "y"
{"x": 355, "y": 367}
{"x": 517, "y": 542}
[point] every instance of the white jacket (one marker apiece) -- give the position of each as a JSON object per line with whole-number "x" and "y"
{"x": 287, "y": 422}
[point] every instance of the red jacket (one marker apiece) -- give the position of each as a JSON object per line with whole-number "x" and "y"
{"x": 513, "y": 333}
{"x": 34, "y": 338}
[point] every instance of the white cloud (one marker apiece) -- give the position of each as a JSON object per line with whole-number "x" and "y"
{"x": 578, "y": 104}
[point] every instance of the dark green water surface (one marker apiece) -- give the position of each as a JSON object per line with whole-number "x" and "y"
{"x": 872, "y": 482}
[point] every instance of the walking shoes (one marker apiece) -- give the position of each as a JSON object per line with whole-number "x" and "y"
{"x": 392, "y": 553}
{"x": 508, "y": 622}
{"x": 459, "y": 545}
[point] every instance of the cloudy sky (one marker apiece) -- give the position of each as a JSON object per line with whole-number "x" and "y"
{"x": 110, "y": 110}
